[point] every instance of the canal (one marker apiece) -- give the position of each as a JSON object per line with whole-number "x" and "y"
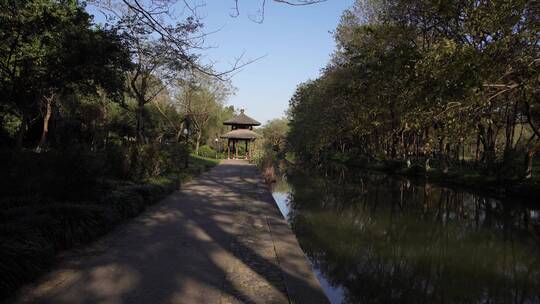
{"x": 374, "y": 238}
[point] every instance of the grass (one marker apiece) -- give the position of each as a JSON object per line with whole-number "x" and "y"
{"x": 39, "y": 220}
{"x": 197, "y": 165}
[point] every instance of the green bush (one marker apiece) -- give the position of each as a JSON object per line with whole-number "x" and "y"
{"x": 32, "y": 233}
{"x": 207, "y": 151}
{"x": 119, "y": 160}
{"x": 55, "y": 200}
{"x": 152, "y": 160}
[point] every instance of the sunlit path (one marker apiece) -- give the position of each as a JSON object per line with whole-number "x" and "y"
{"x": 219, "y": 240}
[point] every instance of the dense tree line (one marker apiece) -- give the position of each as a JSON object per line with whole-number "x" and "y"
{"x": 429, "y": 83}
{"x": 118, "y": 87}
{"x": 50, "y": 49}
{"x": 96, "y": 122}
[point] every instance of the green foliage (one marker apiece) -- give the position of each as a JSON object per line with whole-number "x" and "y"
{"x": 271, "y": 147}
{"x": 199, "y": 164}
{"x": 430, "y": 80}
{"x": 274, "y": 135}
{"x": 207, "y": 151}
{"x": 202, "y": 100}
{"x": 155, "y": 160}
{"x": 90, "y": 131}
{"x": 50, "y": 49}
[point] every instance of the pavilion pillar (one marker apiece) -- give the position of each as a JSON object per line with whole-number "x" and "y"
{"x": 246, "y": 153}
{"x": 236, "y": 149}
{"x": 228, "y": 148}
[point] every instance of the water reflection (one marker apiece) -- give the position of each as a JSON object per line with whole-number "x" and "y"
{"x": 377, "y": 239}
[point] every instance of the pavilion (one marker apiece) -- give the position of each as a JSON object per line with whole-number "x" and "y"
{"x": 241, "y": 130}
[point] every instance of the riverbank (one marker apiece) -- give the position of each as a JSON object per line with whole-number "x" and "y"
{"x": 36, "y": 227}
{"x": 220, "y": 239}
{"x": 465, "y": 178}
{"x": 382, "y": 238}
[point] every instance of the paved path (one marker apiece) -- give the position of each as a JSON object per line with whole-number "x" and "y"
{"x": 219, "y": 240}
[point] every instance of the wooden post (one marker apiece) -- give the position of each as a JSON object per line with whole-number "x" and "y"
{"x": 228, "y": 148}
{"x": 236, "y": 149}
{"x": 246, "y": 152}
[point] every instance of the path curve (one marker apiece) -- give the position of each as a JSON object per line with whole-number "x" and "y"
{"x": 221, "y": 239}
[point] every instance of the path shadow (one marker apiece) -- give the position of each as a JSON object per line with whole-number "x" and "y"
{"x": 181, "y": 250}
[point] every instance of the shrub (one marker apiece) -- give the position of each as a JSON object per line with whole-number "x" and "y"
{"x": 119, "y": 160}
{"x": 58, "y": 174}
{"x": 152, "y": 160}
{"x": 55, "y": 200}
{"x": 207, "y": 151}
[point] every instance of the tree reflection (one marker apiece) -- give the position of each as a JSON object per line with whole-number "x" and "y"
{"x": 388, "y": 240}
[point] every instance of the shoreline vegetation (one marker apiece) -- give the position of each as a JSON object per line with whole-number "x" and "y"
{"x": 446, "y": 91}
{"x": 360, "y": 227}
{"x": 69, "y": 207}
{"x": 460, "y": 177}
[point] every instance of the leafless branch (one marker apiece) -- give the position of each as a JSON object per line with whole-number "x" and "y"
{"x": 261, "y": 11}
{"x": 183, "y": 40}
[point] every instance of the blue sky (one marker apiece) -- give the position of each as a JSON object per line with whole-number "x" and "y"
{"x": 296, "y": 41}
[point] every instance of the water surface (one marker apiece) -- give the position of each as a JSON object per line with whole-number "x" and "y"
{"x": 373, "y": 238}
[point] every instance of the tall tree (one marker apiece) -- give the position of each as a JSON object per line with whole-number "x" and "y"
{"x": 455, "y": 80}
{"x": 49, "y": 47}
{"x": 202, "y": 100}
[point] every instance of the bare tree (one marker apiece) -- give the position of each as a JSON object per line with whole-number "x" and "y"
{"x": 183, "y": 38}
{"x": 165, "y": 39}
{"x": 177, "y": 30}
{"x": 261, "y": 12}
{"x": 149, "y": 78}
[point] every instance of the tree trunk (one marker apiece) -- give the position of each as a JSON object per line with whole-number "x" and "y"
{"x": 198, "y": 142}
{"x": 21, "y": 132}
{"x": 442, "y": 155}
{"x": 178, "y": 135}
{"x": 529, "y": 157}
{"x": 105, "y": 132}
{"x": 49, "y": 100}
{"x": 394, "y": 137}
{"x": 477, "y": 151}
{"x": 509, "y": 134}
{"x": 140, "y": 122}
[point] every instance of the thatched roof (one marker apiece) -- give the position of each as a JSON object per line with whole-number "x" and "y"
{"x": 242, "y": 119}
{"x": 240, "y": 134}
